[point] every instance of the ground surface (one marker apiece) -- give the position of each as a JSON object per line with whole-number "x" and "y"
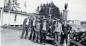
{"x": 11, "y": 37}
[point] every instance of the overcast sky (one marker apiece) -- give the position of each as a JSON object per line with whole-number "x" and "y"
{"x": 76, "y": 8}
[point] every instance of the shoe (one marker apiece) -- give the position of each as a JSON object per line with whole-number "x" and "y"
{"x": 21, "y": 37}
{"x": 43, "y": 43}
{"x": 55, "y": 45}
{"x": 25, "y": 38}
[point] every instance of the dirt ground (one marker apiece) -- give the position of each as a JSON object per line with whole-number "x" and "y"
{"x": 11, "y": 37}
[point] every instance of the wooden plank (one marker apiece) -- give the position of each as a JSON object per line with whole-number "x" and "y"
{"x": 79, "y": 44}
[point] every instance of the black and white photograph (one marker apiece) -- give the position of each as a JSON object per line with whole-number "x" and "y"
{"x": 42, "y": 22}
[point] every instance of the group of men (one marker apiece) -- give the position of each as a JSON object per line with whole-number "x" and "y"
{"x": 40, "y": 27}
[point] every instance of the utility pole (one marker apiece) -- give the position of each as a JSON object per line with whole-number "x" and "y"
{"x": 9, "y": 11}
{"x": 25, "y": 5}
{"x": 50, "y": 12}
{"x": 15, "y": 6}
{"x": 1, "y": 16}
{"x": 65, "y": 12}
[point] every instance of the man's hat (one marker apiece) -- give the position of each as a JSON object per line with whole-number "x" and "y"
{"x": 38, "y": 20}
{"x": 54, "y": 19}
{"x": 44, "y": 18}
{"x": 58, "y": 19}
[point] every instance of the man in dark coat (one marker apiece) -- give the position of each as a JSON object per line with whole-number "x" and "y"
{"x": 32, "y": 34}
{"x": 41, "y": 26}
{"x": 66, "y": 28}
{"x": 25, "y": 28}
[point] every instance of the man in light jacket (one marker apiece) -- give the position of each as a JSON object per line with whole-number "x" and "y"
{"x": 57, "y": 33}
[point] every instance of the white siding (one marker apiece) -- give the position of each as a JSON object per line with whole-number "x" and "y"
{"x": 9, "y": 19}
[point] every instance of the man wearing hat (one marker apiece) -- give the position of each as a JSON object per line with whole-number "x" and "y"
{"x": 50, "y": 23}
{"x": 57, "y": 32}
{"x": 34, "y": 24}
{"x": 44, "y": 30}
{"x": 66, "y": 28}
{"x": 37, "y": 31}
{"x": 25, "y": 28}
{"x": 41, "y": 26}
{"x": 31, "y": 26}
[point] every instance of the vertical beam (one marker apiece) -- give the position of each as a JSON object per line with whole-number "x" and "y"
{"x": 49, "y": 11}
{"x": 65, "y": 12}
{"x": 1, "y": 16}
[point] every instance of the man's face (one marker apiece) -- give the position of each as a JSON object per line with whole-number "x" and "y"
{"x": 44, "y": 20}
{"x": 28, "y": 17}
{"x": 56, "y": 22}
{"x": 65, "y": 22}
{"x": 38, "y": 16}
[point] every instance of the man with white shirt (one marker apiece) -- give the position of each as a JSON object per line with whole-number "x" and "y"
{"x": 57, "y": 33}
{"x": 44, "y": 31}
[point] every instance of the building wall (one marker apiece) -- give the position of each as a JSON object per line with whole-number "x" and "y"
{"x": 8, "y": 18}
{"x": 76, "y": 22}
{"x": 83, "y": 23}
